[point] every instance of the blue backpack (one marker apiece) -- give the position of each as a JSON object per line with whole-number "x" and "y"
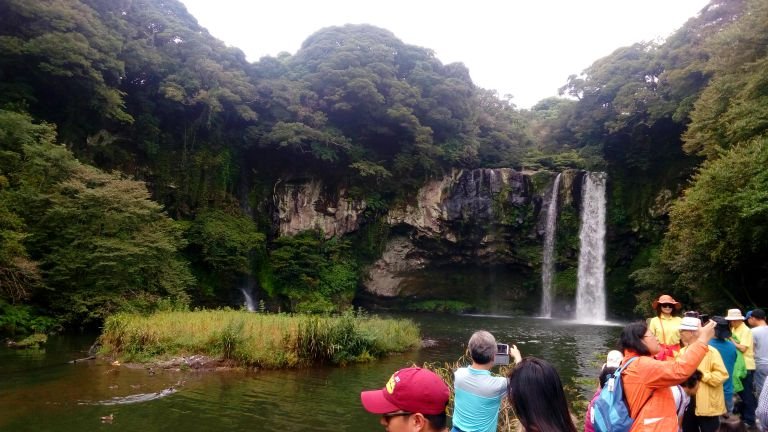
{"x": 610, "y": 410}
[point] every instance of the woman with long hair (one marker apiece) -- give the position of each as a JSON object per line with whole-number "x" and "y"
{"x": 537, "y": 397}
{"x": 666, "y": 326}
{"x": 647, "y": 381}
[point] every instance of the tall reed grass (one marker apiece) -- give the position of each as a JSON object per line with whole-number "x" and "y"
{"x": 256, "y": 339}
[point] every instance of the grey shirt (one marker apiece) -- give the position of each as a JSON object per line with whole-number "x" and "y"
{"x": 760, "y": 337}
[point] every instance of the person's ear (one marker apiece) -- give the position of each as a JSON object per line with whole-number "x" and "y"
{"x": 419, "y": 422}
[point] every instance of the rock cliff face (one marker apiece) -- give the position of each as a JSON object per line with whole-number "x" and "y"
{"x": 305, "y": 205}
{"x": 486, "y": 218}
{"x": 465, "y": 197}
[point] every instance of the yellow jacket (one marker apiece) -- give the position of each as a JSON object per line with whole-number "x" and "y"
{"x": 670, "y": 334}
{"x": 710, "y": 399}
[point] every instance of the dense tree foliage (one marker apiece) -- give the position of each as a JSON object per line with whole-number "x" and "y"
{"x": 156, "y": 118}
{"x": 718, "y": 231}
{"x": 226, "y": 245}
{"x": 140, "y": 88}
{"x": 386, "y": 113}
{"x": 315, "y": 274}
{"x": 718, "y": 235}
{"x": 80, "y": 241}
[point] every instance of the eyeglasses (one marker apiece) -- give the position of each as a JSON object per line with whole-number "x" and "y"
{"x": 389, "y": 416}
{"x": 666, "y": 305}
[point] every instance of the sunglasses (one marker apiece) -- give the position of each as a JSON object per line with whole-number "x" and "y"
{"x": 389, "y": 416}
{"x": 667, "y": 305}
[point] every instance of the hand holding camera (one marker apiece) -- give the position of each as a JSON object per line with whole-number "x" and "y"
{"x": 515, "y": 354}
{"x": 504, "y": 352}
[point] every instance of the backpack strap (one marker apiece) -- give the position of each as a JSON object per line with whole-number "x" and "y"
{"x": 624, "y": 366}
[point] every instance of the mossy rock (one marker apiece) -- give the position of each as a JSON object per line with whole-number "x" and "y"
{"x": 541, "y": 181}
{"x": 566, "y": 282}
{"x": 33, "y": 341}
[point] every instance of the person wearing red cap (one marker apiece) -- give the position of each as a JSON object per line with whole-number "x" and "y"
{"x": 414, "y": 400}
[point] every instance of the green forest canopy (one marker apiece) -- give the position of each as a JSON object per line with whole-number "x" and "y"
{"x": 132, "y": 142}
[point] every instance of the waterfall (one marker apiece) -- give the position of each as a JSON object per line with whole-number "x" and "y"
{"x": 590, "y": 293}
{"x": 548, "y": 255}
{"x": 247, "y": 290}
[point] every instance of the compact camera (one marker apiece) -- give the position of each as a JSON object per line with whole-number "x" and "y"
{"x": 703, "y": 317}
{"x": 502, "y": 354}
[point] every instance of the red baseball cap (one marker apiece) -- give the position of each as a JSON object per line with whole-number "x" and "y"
{"x": 413, "y": 390}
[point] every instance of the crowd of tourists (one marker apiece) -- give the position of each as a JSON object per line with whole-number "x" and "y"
{"x": 675, "y": 372}
{"x": 733, "y": 366}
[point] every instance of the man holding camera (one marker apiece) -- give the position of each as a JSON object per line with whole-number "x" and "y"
{"x": 478, "y": 394}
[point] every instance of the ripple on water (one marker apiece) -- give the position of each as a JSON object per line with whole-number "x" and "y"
{"x": 134, "y": 398}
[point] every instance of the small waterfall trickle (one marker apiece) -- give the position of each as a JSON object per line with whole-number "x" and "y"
{"x": 548, "y": 255}
{"x": 247, "y": 290}
{"x": 590, "y": 293}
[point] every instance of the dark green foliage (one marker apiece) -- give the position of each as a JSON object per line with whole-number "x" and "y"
{"x": 734, "y": 107}
{"x": 24, "y": 319}
{"x": 718, "y": 235}
{"x": 139, "y": 89}
{"x": 313, "y": 273}
{"x": 389, "y": 113}
{"x": 224, "y": 243}
{"x": 450, "y": 306}
{"x": 97, "y": 240}
{"x": 100, "y": 239}
{"x": 714, "y": 249}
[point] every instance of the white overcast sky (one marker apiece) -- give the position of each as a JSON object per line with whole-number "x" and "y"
{"x": 526, "y": 48}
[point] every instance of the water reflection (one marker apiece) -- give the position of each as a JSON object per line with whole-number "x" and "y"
{"x": 43, "y": 392}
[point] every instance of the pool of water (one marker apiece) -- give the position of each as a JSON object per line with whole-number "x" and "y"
{"x": 41, "y": 391}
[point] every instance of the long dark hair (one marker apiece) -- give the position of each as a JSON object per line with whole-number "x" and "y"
{"x": 632, "y": 338}
{"x": 537, "y": 397}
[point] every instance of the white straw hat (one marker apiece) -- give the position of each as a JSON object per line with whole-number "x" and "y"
{"x": 734, "y": 315}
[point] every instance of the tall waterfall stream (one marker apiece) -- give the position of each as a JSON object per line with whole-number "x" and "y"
{"x": 590, "y": 292}
{"x": 548, "y": 255}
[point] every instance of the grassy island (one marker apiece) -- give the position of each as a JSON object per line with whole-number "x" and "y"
{"x": 256, "y": 339}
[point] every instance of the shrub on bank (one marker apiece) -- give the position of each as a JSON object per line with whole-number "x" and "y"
{"x": 256, "y": 339}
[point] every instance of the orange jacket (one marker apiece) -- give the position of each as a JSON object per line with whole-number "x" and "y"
{"x": 646, "y": 384}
